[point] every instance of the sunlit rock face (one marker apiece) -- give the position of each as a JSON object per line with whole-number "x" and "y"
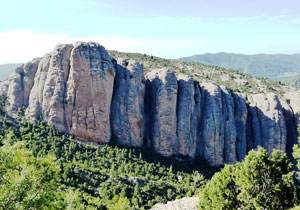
{"x": 89, "y": 92}
{"x": 83, "y": 91}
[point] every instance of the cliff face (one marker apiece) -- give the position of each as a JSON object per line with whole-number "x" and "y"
{"x": 81, "y": 90}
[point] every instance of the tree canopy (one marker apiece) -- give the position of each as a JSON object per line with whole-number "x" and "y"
{"x": 259, "y": 182}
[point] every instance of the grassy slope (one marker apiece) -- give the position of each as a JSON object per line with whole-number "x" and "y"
{"x": 235, "y": 80}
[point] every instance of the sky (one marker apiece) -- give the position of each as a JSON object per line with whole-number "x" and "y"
{"x": 164, "y": 28}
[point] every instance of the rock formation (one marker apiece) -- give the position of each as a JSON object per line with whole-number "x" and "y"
{"x": 89, "y": 92}
{"x": 81, "y": 90}
{"x": 162, "y": 91}
{"x": 127, "y": 109}
{"x": 186, "y": 203}
{"x": 188, "y": 115}
{"x": 18, "y": 86}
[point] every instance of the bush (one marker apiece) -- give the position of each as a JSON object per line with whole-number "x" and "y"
{"x": 259, "y": 182}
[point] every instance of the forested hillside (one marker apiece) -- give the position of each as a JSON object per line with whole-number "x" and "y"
{"x": 42, "y": 168}
{"x": 77, "y": 175}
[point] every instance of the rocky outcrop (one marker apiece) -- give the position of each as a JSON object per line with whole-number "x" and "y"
{"x": 269, "y": 116}
{"x": 81, "y": 90}
{"x": 127, "y": 110}
{"x": 34, "y": 111}
{"x": 186, "y": 203}
{"x": 188, "y": 115}
{"x": 240, "y": 116}
{"x": 73, "y": 91}
{"x": 18, "y": 86}
{"x": 228, "y": 121}
{"x": 89, "y": 92}
{"x": 162, "y": 99}
{"x": 53, "y": 104}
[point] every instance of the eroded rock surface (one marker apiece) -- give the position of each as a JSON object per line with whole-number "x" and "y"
{"x": 18, "y": 86}
{"x": 187, "y": 203}
{"x": 81, "y": 90}
{"x": 188, "y": 115}
{"x": 128, "y": 103}
{"x": 89, "y": 92}
{"x": 162, "y": 85}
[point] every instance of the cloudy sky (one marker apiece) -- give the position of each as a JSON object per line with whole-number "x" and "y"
{"x": 164, "y": 28}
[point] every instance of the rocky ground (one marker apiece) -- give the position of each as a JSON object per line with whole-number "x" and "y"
{"x": 186, "y": 203}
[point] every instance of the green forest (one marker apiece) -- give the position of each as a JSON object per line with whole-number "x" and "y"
{"x": 41, "y": 168}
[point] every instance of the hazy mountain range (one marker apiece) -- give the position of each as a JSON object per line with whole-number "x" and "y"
{"x": 7, "y": 69}
{"x": 285, "y": 68}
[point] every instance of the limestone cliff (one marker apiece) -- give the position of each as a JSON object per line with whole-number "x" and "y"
{"x": 83, "y": 91}
{"x": 127, "y": 110}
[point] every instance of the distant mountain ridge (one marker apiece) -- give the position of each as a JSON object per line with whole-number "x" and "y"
{"x": 280, "y": 67}
{"x": 7, "y": 69}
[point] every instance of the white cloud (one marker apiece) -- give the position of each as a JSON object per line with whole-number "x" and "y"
{"x": 23, "y": 45}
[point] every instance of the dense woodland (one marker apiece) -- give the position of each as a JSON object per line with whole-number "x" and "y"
{"x": 41, "y": 168}
{"x": 76, "y": 175}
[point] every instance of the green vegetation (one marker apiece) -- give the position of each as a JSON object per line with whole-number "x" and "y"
{"x": 259, "y": 182}
{"x": 3, "y": 102}
{"x": 27, "y": 182}
{"x": 82, "y": 175}
{"x": 41, "y": 168}
{"x": 235, "y": 80}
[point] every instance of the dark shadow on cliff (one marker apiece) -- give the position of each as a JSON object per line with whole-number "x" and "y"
{"x": 258, "y": 130}
{"x": 253, "y": 127}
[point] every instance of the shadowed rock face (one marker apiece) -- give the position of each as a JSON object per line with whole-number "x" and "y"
{"x": 81, "y": 90}
{"x": 127, "y": 109}
{"x": 188, "y": 115}
{"x": 163, "y": 99}
{"x": 240, "y": 115}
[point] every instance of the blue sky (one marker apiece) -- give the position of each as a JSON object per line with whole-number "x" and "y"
{"x": 169, "y": 29}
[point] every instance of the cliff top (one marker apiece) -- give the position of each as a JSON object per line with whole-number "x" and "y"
{"x": 235, "y": 80}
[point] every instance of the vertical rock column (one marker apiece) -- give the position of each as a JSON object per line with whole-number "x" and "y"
{"x": 53, "y": 104}
{"x": 212, "y": 129}
{"x": 240, "y": 115}
{"x": 89, "y": 92}
{"x": 272, "y": 121}
{"x": 162, "y": 85}
{"x": 127, "y": 112}
{"x": 15, "y": 91}
{"x": 34, "y": 110}
{"x": 188, "y": 115}
{"x": 228, "y": 121}
{"x": 20, "y": 84}
{"x": 30, "y": 70}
